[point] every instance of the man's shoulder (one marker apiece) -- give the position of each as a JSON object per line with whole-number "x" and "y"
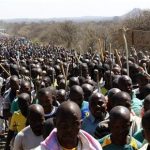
{"x": 40, "y": 147}
{"x": 105, "y": 140}
{"x": 85, "y": 103}
{"x": 15, "y": 100}
{"x": 7, "y": 92}
{"x": 144, "y": 147}
{"x": 87, "y": 121}
{"x": 24, "y": 131}
{"x": 17, "y": 113}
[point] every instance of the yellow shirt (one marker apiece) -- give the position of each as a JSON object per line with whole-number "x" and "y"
{"x": 69, "y": 149}
{"x": 18, "y": 122}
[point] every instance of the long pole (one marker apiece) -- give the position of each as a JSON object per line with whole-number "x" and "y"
{"x": 5, "y": 70}
{"x": 101, "y": 50}
{"x": 126, "y": 48}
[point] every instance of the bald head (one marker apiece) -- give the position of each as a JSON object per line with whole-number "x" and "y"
{"x": 113, "y": 91}
{"x": 68, "y": 108}
{"x": 122, "y": 99}
{"x": 87, "y": 89}
{"x": 36, "y": 109}
{"x": 98, "y": 105}
{"x": 76, "y": 94}
{"x": 36, "y": 118}
{"x": 14, "y": 78}
{"x": 73, "y": 81}
{"x": 96, "y": 96}
{"x": 24, "y": 96}
{"x": 25, "y": 87}
{"x": 119, "y": 112}
{"x": 125, "y": 84}
{"x": 68, "y": 124}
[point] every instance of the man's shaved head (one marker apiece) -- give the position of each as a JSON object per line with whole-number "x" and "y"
{"x": 113, "y": 91}
{"x": 76, "y": 94}
{"x": 68, "y": 124}
{"x": 119, "y": 124}
{"x": 36, "y": 109}
{"x": 36, "y": 118}
{"x": 68, "y": 107}
{"x": 122, "y": 99}
{"x": 119, "y": 112}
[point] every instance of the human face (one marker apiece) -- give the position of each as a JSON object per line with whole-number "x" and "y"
{"x": 46, "y": 101}
{"x": 25, "y": 88}
{"x": 98, "y": 108}
{"x": 127, "y": 86}
{"x": 122, "y": 126}
{"x": 77, "y": 99}
{"x": 23, "y": 105}
{"x": 116, "y": 71}
{"x": 126, "y": 102}
{"x": 36, "y": 122}
{"x": 60, "y": 97}
{"x": 14, "y": 85}
{"x": 68, "y": 126}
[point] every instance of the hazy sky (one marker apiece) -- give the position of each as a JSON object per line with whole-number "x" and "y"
{"x": 67, "y": 8}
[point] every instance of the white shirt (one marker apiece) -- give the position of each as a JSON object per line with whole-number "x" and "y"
{"x": 27, "y": 140}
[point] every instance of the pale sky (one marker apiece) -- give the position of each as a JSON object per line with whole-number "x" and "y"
{"x": 67, "y": 8}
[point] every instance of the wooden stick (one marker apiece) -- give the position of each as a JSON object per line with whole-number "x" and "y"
{"x": 147, "y": 75}
{"x": 111, "y": 64}
{"x": 76, "y": 56}
{"x": 93, "y": 56}
{"x": 100, "y": 49}
{"x": 65, "y": 73}
{"x": 5, "y": 70}
{"x": 62, "y": 69}
{"x": 126, "y": 48}
{"x": 118, "y": 57}
{"x": 97, "y": 78}
{"x": 110, "y": 50}
{"x": 144, "y": 65}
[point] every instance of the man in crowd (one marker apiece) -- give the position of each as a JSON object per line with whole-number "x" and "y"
{"x": 31, "y": 136}
{"x": 68, "y": 134}
{"x": 119, "y": 138}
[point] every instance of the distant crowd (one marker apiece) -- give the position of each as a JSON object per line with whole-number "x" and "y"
{"x": 53, "y": 98}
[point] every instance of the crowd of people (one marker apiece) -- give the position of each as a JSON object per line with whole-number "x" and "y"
{"x": 54, "y": 98}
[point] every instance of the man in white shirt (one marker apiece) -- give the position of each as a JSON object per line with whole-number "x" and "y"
{"x": 31, "y": 136}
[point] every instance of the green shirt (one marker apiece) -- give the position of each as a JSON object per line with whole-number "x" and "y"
{"x": 108, "y": 145}
{"x": 136, "y": 104}
{"x": 15, "y": 106}
{"x": 139, "y": 136}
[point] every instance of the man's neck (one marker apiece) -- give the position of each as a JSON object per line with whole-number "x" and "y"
{"x": 120, "y": 141}
{"x": 73, "y": 145}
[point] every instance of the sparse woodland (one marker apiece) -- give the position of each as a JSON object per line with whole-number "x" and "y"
{"x": 82, "y": 36}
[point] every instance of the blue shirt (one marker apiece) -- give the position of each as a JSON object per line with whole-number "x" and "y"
{"x": 136, "y": 104}
{"x": 89, "y": 124}
{"x": 85, "y": 109}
